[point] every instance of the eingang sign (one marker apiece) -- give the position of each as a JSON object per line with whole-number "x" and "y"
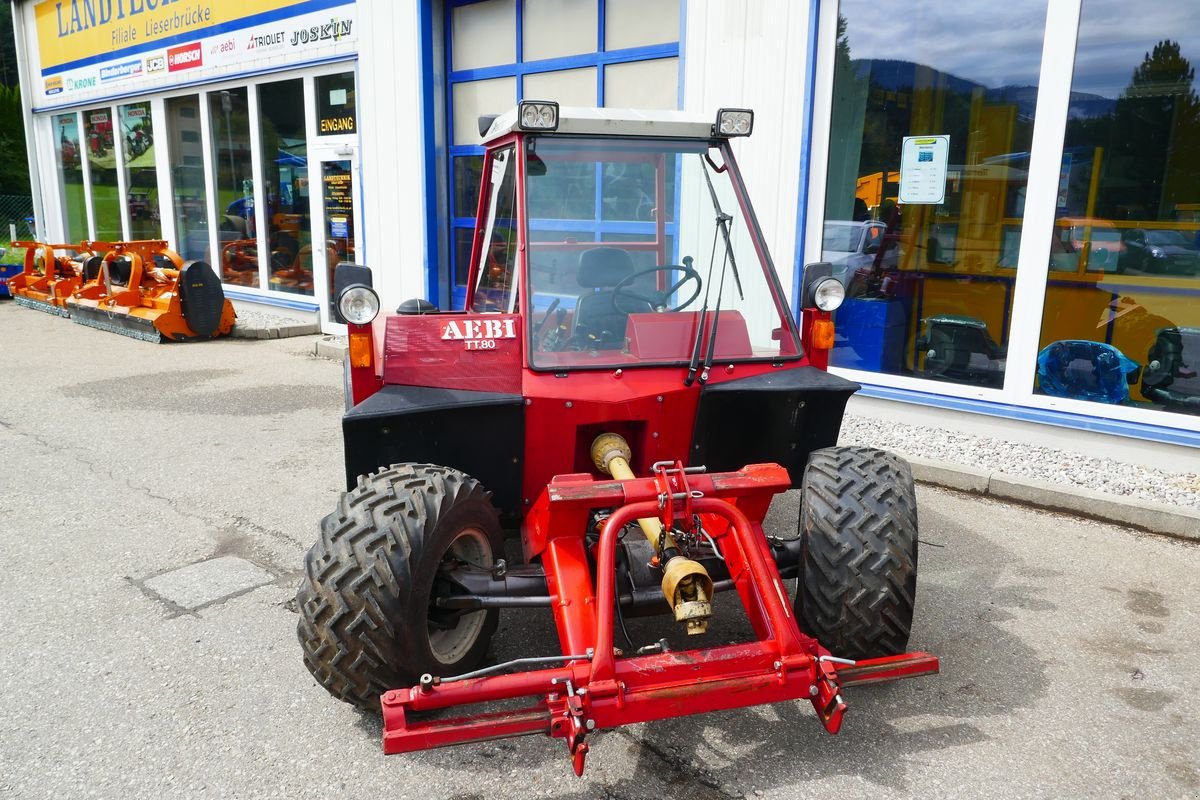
{"x": 91, "y": 49}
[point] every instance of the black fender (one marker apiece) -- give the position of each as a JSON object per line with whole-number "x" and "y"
{"x": 777, "y": 417}
{"x": 479, "y": 433}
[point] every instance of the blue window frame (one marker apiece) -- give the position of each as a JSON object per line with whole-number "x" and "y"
{"x": 463, "y": 161}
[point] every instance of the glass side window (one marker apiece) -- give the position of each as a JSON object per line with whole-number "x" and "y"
{"x": 1121, "y": 319}
{"x": 70, "y": 177}
{"x": 141, "y": 176}
{"x": 102, "y": 163}
{"x": 627, "y": 263}
{"x": 929, "y": 270}
{"x": 496, "y": 284}
{"x": 229, "y": 118}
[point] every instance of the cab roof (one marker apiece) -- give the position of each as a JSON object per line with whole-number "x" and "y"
{"x": 613, "y": 122}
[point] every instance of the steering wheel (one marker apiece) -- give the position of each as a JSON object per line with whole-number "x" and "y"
{"x": 657, "y": 299}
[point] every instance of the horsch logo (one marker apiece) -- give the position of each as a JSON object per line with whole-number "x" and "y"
{"x": 185, "y": 57}
{"x": 479, "y": 334}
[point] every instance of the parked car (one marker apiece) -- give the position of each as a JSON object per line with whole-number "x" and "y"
{"x": 1161, "y": 251}
{"x": 850, "y": 246}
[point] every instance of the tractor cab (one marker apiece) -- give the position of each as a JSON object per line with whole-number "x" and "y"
{"x": 625, "y": 241}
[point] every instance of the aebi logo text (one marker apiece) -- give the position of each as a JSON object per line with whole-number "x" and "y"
{"x": 479, "y": 334}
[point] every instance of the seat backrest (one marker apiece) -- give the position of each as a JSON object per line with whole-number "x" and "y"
{"x": 600, "y": 269}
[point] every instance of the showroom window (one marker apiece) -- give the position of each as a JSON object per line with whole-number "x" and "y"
{"x": 187, "y": 177}
{"x": 285, "y": 161}
{"x": 1121, "y": 320}
{"x": 577, "y": 52}
{"x": 102, "y": 166}
{"x": 141, "y": 176}
{"x": 229, "y": 120}
{"x": 925, "y": 189}
{"x": 70, "y": 177}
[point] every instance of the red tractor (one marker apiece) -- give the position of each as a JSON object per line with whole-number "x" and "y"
{"x": 624, "y": 393}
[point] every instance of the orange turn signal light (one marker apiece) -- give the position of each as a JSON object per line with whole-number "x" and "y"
{"x": 360, "y": 349}
{"x": 822, "y": 334}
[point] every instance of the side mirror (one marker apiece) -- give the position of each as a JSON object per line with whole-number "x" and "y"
{"x": 485, "y": 123}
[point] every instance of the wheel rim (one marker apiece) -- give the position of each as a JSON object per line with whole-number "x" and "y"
{"x": 449, "y": 645}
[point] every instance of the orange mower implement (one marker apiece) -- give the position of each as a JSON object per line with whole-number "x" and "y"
{"x": 49, "y": 276}
{"x": 143, "y": 289}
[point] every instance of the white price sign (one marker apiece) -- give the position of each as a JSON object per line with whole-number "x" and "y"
{"x": 923, "y": 169}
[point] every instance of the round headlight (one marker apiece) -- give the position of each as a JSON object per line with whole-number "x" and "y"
{"x": 829, "y": 294}
{"x": 358, "y": 304}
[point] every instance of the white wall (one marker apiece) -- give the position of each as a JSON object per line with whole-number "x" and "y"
{"x": 392, "y": 156}
{"x": 753, "y": 54}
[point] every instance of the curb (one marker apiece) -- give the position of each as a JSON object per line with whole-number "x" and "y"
{"x": 330, "y": 347}
{"x": 1151, "y": 517}
{"x": 275, "y": 331}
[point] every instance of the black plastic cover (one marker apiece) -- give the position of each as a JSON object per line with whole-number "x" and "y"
{"x": 201, "y": 298}
{"x": 480, "y": 433}
{"x": 777, "y": 417}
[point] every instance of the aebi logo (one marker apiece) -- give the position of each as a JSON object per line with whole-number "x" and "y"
{"x": 479, "y": 334}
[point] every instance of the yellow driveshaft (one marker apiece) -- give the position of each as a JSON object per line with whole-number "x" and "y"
{"x": 686, "y": 584}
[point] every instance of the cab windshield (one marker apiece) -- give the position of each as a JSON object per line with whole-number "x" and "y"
{"x": 626, "y": 256}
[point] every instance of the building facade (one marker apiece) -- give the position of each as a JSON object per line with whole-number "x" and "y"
{"x": 1010, "y": 193}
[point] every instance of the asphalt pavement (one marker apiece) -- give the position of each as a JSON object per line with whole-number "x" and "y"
{"x": 155, "y": 504}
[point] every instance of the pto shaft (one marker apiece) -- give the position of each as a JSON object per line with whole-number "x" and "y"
{"x": 686, "y": 585}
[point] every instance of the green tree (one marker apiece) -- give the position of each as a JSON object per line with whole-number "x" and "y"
{"x": 14, "y": 167}
{"x": 1155, "y": 134}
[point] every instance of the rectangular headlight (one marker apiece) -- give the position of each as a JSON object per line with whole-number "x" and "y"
{"x": 734, "y": 122}
{"x": 537, "y": 115}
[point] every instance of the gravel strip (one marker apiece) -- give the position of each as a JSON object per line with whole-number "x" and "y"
{"x": 253, "y": 318}
{"x": 1030, "y": 461}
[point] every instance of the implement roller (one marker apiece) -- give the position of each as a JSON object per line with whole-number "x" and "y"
{"x": 143, "y": 289}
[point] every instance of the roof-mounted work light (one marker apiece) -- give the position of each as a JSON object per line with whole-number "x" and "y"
{"x": 537, "y": 115}
{"x": 734, "y": 122}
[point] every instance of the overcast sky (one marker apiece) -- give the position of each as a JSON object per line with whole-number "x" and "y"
{"x": 1000, "y": 43}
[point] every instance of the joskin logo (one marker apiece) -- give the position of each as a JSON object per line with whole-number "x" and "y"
{"x": 185, "y": 57}
{"x": 54, "y": 85}
{"x": 479, "y": 334}
{"x": 334, "y": 29}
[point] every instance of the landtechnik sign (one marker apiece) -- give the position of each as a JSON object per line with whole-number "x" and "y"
{"x": 92, "y": 49}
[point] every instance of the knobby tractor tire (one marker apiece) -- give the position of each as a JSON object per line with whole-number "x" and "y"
{"x": 365, "y": 599}
{"x": 858, "y": 569}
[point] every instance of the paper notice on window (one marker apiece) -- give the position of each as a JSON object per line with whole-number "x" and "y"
{"x": 923, "y": 169}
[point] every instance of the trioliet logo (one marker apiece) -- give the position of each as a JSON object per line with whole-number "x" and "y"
{"x": 184, "y": 57}
{"x": 479, "y": 334}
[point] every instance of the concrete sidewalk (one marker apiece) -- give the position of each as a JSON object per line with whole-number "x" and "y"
{"x": 1151, "y": 517}
{"x": 257, "y": 321}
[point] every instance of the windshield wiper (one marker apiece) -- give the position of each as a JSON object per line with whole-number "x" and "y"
{"x": 728, "y": 259}
{"x": 723, "y": 221}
